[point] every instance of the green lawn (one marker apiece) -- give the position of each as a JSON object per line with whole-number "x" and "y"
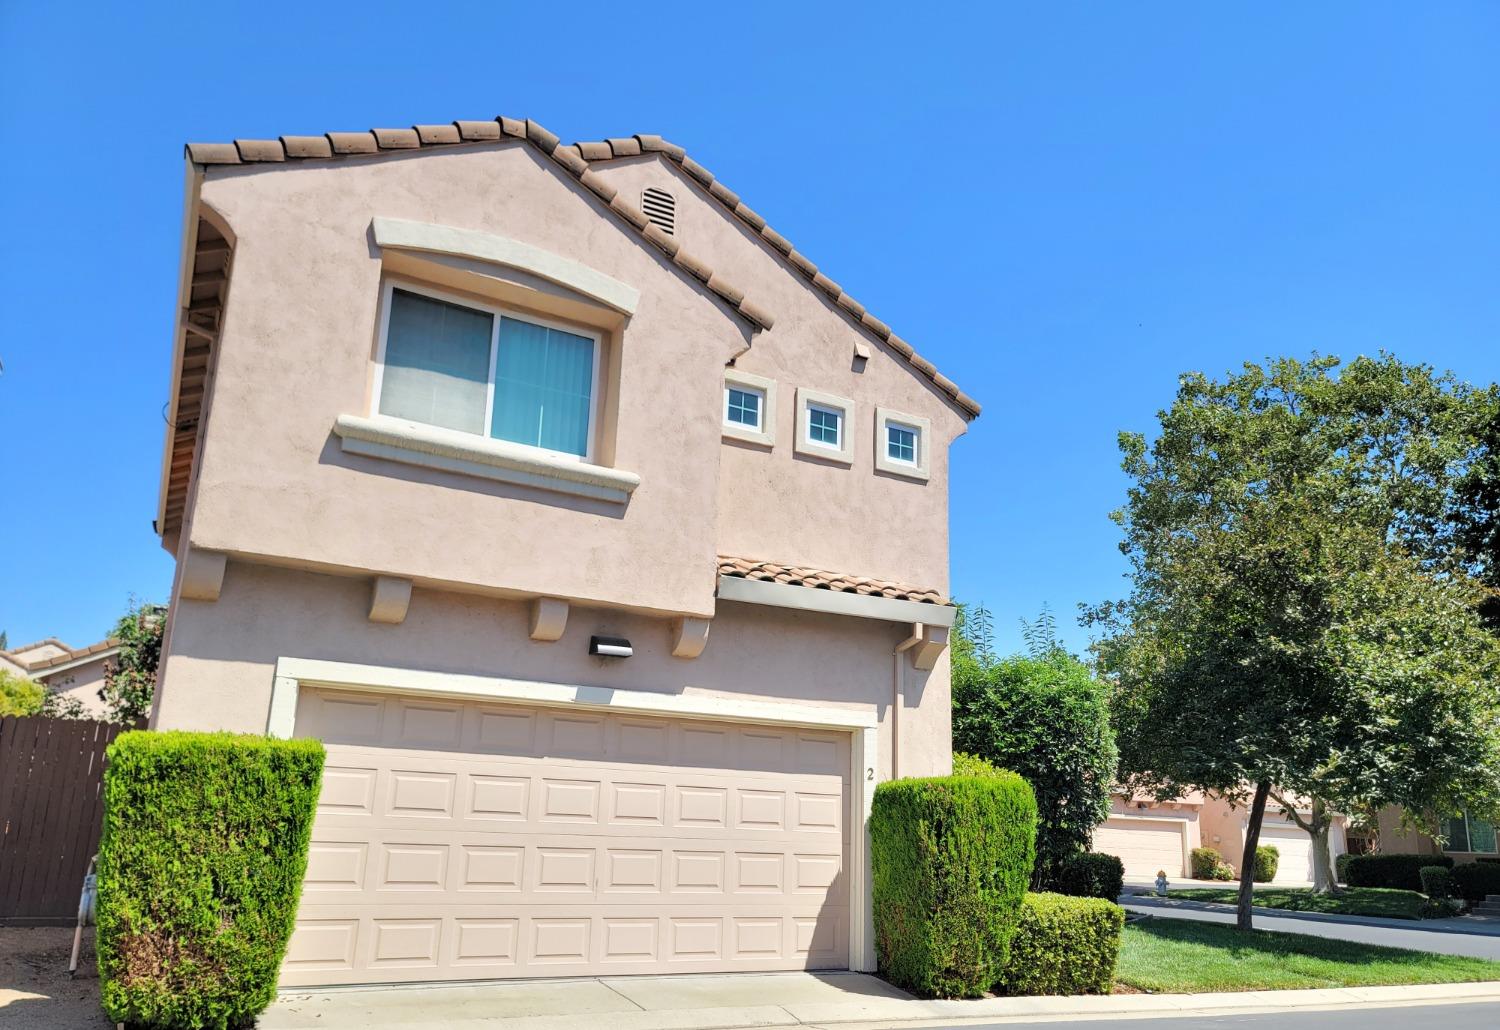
{"x": 1351, "y": 901}
{"x": 1178, "y": 956}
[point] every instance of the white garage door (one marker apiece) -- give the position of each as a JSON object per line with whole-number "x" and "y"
{"x": 1295, "y": 862}
{"x": 1144, "y": 845}
{"x": 459, "y": 840}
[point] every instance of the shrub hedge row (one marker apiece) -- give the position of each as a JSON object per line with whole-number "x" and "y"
{"x": 1063, "y": 945}
{"x": 951, "y": 858}
{"x": 200, "y": 869}
{"x": 1403, "y": 872}
{"x": 1267, "y": 861}
{"x": 1474, "y": 881}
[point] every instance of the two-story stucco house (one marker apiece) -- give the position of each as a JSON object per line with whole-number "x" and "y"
{"x": 600, "y": 535}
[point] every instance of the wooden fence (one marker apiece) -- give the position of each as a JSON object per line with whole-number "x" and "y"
{"x": 51, "y": 810}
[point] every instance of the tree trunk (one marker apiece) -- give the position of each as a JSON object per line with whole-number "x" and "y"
{"x": 1322, "y": 870}
{"x": 1242, "y": 918}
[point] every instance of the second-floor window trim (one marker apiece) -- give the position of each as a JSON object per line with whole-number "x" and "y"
{"x": 489, "y": 370}
{"x": 825, "y": 426}
{"x": 903, "y": 445}
{"x": 749, "y": 408}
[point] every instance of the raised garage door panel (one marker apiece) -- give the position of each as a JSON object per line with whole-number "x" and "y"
{"x": 1294, "y": 862}
{"x": 1144, "y": 845}
{"x": 459, "y": 840}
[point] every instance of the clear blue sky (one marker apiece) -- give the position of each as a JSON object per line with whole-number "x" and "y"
{"x": 1064, "y": 206}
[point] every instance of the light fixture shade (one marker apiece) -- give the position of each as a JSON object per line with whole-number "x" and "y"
{"x": 610, "y": 647}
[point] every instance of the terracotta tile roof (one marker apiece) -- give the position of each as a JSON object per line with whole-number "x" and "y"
{"x": 420, "y": 137}
{"x": 817, "y": 579}
{"x": 611, "y": 149}
{"x": 577, "y": 159}
{"x": 72, "y": 655}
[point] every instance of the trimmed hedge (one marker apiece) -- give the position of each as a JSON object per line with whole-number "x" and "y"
{"x": 1092, "y": 875}
{"x": 1063, "y": 945}
{"x": 1474, "y": 881}
{"x": 1267, "y": 861}
{"x": 1437, "y": 881}
{"x": 1203, "y": 861}
{"x": 1402, "y": 872}
{"x": 1341, "y": 866}
{"x": 951, "y": 857}
{"x": 200, "y": 869}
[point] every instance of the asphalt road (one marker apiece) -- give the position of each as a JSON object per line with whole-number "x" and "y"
{"x": 1400, "y": 1017}
{"x": 1416, "y": 935}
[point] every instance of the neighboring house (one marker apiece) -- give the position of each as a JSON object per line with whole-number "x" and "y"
{"x": 1466, "y": 838}
{"x": 1150, "y": 835}
{"x": 460, "y": 417}
{"x": 69, "y": 673}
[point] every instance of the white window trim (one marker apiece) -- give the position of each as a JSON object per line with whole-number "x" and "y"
{"x": 469, "y": 454}
{"x": 861, "y": 723}
{"x": 807, "y": 400}
{"x": 921, "y": 469}
{"x": 496, "y": 311}
{"x": 765, "y": 436}
{"x": 1469, "y": 839}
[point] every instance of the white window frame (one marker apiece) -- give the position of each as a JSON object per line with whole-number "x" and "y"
{"x": 921, "y": 468}
{"x": 496, "y": 311}
{"x": 765, "y": 434}
{"x": 807, "y": 400}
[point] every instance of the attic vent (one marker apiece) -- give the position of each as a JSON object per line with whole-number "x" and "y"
{"x": 661, "y": 208}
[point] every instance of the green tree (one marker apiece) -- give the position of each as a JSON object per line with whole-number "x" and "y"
{"x": 1477, "y": 504}
{"x": 1299, "y": 620}
{"x": 130, "y": 677}
{"x": 20, "y": 696}
{"x": 1046, "y": 717}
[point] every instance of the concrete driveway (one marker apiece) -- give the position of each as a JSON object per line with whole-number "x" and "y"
{"x": 1476, "y": 938}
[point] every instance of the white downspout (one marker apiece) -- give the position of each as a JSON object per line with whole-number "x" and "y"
{"x": 898, "y": 694}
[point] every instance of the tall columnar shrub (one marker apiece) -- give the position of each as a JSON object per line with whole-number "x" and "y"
{"x": 1063, "y": 945}
{"x": 1267, "y": 861}
{"x": 200, "y": 869}
{"x": 1437, "y": 882}
{"x": 951, "y": 856}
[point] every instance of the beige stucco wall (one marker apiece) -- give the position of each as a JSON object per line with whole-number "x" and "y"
{"x": 81, "y": 682}
{"x": 220, "y": 669}
{"x": 298, "y": 350}
{"x": 783, "y": 506}
{"x": 1398, "y": 839}
{"x": 1224, "y": 828}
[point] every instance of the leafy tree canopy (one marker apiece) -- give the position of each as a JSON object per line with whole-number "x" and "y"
{"x": 1300, "y": 614}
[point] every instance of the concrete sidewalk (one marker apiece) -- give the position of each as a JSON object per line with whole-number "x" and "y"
{"x": 851, "y": 1001}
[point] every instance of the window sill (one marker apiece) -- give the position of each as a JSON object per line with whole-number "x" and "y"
{"x": 447, "y": 450}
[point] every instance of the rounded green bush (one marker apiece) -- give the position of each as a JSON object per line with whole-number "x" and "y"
{"x": 1437, "y": 881}
{"x": 951, "y": 858}
{"x": 1092, "y": 875}
{"x": 200, "y": 869}
{"x": 1063, "y": 945}
{"x": 1267, "y": 861}
{"x": 1203, "y": 862}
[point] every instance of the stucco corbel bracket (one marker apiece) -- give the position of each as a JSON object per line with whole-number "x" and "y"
{"x": 934, "y": 640}
{"x": 689, "y": 637}
{"x": 202, "y": 574}
{"x": 390, "y": 597}
{"x": 549, "y": 617}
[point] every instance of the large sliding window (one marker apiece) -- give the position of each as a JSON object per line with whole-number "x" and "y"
{"x": 480, "y": 370}
{"x": 1467, "y": 834}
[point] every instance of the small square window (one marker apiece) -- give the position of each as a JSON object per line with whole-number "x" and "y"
{"x": 742, "y": 407}
{"x": 824, "y": 426}
{"x": 901, "y": 443}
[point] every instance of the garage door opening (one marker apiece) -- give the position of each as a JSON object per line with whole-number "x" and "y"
{"x": 1146, "y": 846}
{"x": 470, "y": 840}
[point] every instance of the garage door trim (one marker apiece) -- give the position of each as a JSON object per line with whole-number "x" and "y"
{"x": 1180, "y": 825}
{"x": 294, "y": 673}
